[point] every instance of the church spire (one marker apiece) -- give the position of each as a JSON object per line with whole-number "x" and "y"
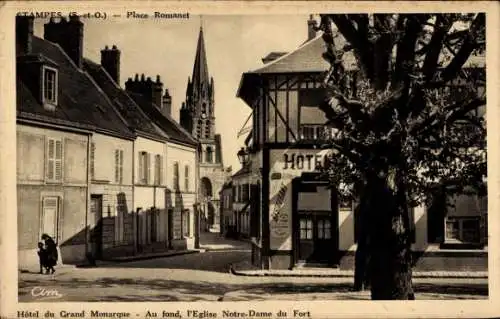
{"x": 200, "y": 70}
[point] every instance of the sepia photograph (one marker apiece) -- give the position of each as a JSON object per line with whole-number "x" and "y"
{"x": 176, "y": 156}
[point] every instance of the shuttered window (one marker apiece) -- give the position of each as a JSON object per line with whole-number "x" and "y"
{"x": 186, "y": 178}
{"x": 144, "y": 167}
{"x": 119, "y": 166}
{"x": 92, "y": 160}
{"x": 176, "y": 175}
{"x": 54, "y": 160}
{"x": 158, "y": 170}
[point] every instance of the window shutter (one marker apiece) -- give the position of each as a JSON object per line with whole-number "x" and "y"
{"x": 117, "y": 166}
{"x": 160, "y": 169}
{"x": 50, "y": 159}
{"x": 58, "y": 160}
{"x": 148, "y": 168}
{"x": 186, "y": 178}
{"x": 141, "y": 168}
{"x": 121, "y": 166}
{"x": 92, "y": 160}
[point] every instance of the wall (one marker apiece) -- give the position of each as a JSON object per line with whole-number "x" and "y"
{"x": 32, "y": 187}
{"x": 281, "y": 175}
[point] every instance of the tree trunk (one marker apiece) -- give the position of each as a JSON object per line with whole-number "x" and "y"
{"x": 390, "y": 245}
{"x": 361, "y": 261}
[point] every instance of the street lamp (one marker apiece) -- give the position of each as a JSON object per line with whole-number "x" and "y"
{"x": 243, "y": 156}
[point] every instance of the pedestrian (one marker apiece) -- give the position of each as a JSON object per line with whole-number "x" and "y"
{"x": 42, "y": 257}
{"x": 51, "y": 250}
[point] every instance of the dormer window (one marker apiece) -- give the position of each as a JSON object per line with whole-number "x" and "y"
{"x": 49, "y": 86}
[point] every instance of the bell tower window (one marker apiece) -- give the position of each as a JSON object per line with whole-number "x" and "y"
{"x": 49, "y": 85}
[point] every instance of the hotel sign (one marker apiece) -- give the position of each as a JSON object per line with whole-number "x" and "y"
{"x": 303, "y": 161}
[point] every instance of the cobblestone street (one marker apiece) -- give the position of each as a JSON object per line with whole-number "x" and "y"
{"x": 205, "y": 276}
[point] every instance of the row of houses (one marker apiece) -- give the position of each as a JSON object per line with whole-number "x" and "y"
{"x": 105, "y": 170}
{"x": 291, "y": 218}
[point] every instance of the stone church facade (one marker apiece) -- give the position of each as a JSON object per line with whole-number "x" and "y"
{"x": 197, "y": 116}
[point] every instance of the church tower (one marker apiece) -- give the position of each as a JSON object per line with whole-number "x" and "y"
{"x": 197, "y": 116}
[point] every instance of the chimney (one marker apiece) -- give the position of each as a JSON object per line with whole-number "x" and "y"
{"x": 311, "y": 25}
{"x": 110, "y": 61}
{"x": 69, "y": 35}
{"x": 157, "y": 92}
{"x": 167, "y": 104}
{"x": 24, "y": 34}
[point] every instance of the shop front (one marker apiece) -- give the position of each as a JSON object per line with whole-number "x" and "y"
{"x": 304, "y": 215}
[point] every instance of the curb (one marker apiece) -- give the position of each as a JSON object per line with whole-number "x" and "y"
{"x": 351, "y": 275}
{"x": 137, "y": 258}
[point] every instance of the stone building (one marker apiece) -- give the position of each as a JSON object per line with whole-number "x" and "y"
{"x": 197, "y": 116}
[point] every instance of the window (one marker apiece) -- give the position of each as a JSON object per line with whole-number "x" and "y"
{"x": 119, "y": 166}
{"x": 144, "y": 167}
{"x": 49, "y": 85}
{"x": 462, "y": 229}
{"x": 50, "y": 214}
{"x": 324, "y": 229}
{"x": 209, "y": 155}
{"x": 185, "y": 223}
{"x": 306, "y": 231}
{"x": 158, "y": 169}
{"x": 176, "y": 175}
{"x": 92, "y": 160}
{"x": 186, "y": 178}
{"x": 315, "y": 132}
{"x": 54, "y": 160}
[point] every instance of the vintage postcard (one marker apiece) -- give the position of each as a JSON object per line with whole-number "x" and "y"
{"x": 249, "y": 159}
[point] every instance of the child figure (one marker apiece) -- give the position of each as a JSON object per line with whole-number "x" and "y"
{"x": 42, "y": 257}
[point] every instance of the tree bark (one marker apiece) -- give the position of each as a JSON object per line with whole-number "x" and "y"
{"x": 390, "y": 246}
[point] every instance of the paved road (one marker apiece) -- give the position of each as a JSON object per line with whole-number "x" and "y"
{"x": 205, "y": 277}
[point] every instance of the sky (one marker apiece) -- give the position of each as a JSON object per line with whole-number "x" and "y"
{"x": 234, "y": 44}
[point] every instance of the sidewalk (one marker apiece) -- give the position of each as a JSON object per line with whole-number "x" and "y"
{"x": 246, "y": 269}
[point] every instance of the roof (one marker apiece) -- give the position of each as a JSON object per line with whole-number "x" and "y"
{"x": 80, "y": 101}
{"x": 174, "y": 131}
{"x": 128, "y": 109}
{"x": 272, "y": 56}
{"x": 200, "y": 68}
{"x": 308, "y": 58}
{"x": 243, "y": 171}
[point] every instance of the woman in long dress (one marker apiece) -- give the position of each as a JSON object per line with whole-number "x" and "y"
{"x": 51, "y": 253}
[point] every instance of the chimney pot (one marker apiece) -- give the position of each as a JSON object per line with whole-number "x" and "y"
{"x": 158, "y": 79}
{"x": 136, "y": 77}
{"x": 149, "y": 79}
{"x": 106, "y": 47}
{"x": 142, "y": 77}
{"x": 114, "y": 47}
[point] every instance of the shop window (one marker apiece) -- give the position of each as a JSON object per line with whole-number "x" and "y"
{"x": 306, "y": 228}
{"x": 462, "y": 229}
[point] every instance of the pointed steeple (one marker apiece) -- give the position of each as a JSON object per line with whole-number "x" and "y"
{"x": 200, "y": 77}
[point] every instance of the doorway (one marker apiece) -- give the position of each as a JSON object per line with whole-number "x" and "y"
{"x": 95, "y": 226}
{"x": 315, "y": 223}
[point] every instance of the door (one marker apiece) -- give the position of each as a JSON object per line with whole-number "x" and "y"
{"x": 49, "y": 217}
{"x": 306, "y": 238}
{"x": 95, "y": 226}
{"x": 315, "y": 238}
